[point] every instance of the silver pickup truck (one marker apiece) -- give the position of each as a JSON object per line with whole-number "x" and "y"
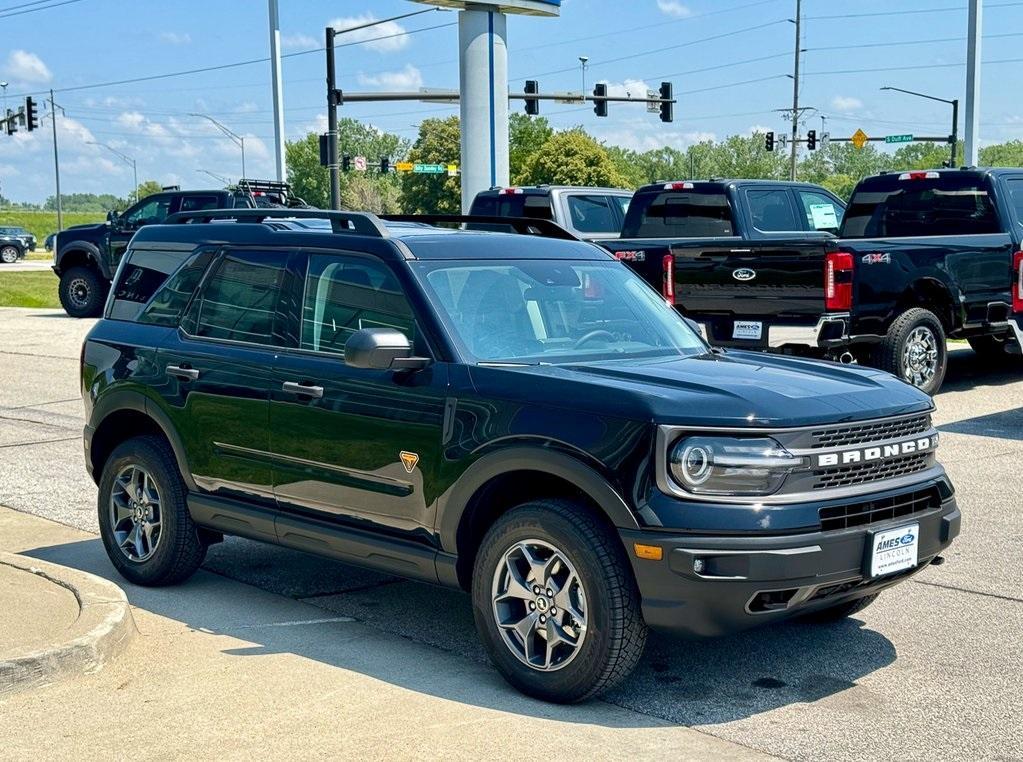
{"x": 588, "y": 213}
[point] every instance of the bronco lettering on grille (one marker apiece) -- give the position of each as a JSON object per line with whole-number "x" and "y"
{"x": 881, "y": 452}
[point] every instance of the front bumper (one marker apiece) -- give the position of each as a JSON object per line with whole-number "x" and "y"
{"x": 831, "y": 331}
{"x": 751, "y": 580}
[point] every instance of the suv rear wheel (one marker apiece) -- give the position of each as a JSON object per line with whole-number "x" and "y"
{"x": 914, "y": 349}
{"x": 9, "y": 255}
{"x": 82, "y": 292}
{"x": 555, "y": 602}
{"x": 143, "y": 518}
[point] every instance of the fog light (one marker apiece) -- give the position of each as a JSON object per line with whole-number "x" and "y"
{"x": 699, "y": 565}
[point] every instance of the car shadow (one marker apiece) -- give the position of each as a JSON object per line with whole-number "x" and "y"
{"x": 967, "y": 370}
{"x": 691, "y": 683}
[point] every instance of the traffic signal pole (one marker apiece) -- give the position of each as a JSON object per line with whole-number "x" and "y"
{"x": 795, "y": 95}
{"x": 332, "y": 167}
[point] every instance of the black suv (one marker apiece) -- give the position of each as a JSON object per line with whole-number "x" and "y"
{"x": 86, "y": 256}
{"x": 521, "y": 417}
{"x": 15, "y": 243}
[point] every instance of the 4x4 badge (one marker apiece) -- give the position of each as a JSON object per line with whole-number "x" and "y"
{"x": 409, "y": 460}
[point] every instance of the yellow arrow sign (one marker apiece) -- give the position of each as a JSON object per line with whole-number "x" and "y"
{"x": 859, "y": 138}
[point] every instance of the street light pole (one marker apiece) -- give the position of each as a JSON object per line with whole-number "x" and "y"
{"x": 238, "y": 139}
{"x": 225, "y": 180}
{"x": 56, "y": 164}
{"x": 128, "y": 159}
{"x": 583, "y": 60}
{"x": 954, "y": 103}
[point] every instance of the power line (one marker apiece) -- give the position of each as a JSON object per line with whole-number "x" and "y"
{"x": 4, "y": 15}
{"x": 907, "y": 12}
{"x": 911, "y": 68}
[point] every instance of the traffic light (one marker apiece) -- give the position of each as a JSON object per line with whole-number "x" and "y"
{"x": 769, "y": 141}
{"x": 31, "y": 117}
{"x": 325, "y": 149}
{"x": 385, "y": 164}
{"x": 346, "y": 163}
{"x": 12, "y": 122}
{"x": 667, "y": 105}
{"x": 532, "y": 104}
{"x": 811, "y": 140}
{"x": 599, "y": 99}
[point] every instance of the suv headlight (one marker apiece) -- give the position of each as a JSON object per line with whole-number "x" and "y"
{"x": 730, "y": 465}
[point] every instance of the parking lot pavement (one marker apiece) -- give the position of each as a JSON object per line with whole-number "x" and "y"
{"x": 930, "y": 670}
{"x": 26, "y": 265}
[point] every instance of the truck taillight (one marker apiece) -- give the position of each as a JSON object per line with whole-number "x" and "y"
{"x": 1017, "y": 282}
{"x": 919, "y": 176}
{"x": 838, "y": 266}
{"x": 509, "y": 192}
{"x": 668, "y": 278}
{"x": 678, "y": 186}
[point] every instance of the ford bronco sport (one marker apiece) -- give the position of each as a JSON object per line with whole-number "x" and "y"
{"x": 518, "y": 416}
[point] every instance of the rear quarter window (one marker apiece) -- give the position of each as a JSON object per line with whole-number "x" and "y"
{"x": 887, "y": 207}
{"x": 143, "y": 276}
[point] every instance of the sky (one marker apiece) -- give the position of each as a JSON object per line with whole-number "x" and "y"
{"x": 730, "y": 62}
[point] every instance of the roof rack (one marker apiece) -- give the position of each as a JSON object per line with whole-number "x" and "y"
{"x": 274, "y": 186}
{"x": 521, "y": 225}
{"x": 357, "y": 223}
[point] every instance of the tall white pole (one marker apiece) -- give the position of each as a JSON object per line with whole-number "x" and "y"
{"x": 278, "y": 89}
{"x": 972, "y": 136}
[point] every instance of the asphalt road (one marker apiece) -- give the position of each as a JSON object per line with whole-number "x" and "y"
{"x": 932, "y": 670}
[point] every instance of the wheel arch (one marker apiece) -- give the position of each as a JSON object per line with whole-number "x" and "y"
{"x": 506, "y": 478}
{"x": 80, "y": 253}
{"x": 934, "y": 295}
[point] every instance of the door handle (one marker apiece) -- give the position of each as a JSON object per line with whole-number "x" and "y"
{"x": 186, "y": 374}
{"x": 302, "y": 390}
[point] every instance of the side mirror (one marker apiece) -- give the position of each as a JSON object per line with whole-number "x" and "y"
{"x": 382, "y": 349}
{"x": 112, "y": 218}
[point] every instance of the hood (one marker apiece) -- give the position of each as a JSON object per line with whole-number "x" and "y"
{"x": 734, "y": 389}
{"x": 81, "y": 233}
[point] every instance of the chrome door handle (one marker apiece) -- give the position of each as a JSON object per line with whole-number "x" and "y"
{"x": 186, "y": 374}
{"x": 302, "y": 390}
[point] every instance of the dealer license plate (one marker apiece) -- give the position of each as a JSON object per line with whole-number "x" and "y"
{"x": 747, "y": 329}
{"x": 895, "y": 550}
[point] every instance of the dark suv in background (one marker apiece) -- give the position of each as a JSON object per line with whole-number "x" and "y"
{"x": 15, "y": 243}
{"x": 518, "y": 416}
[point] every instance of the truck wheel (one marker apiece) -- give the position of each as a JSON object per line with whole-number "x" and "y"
{"x": 841, "y": 611}
{"x": 992, "y": 348}
{"x": 9, "y": 255}
{"x": 555, "y": 602}
{"x": 82, "y": 292}
{"x": 914, "y": 349}
{"x": 143, "y": 517}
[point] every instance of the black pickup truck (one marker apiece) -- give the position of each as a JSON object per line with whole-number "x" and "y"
{"x": 920, "y": 256}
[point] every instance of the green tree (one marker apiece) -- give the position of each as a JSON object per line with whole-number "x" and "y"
{"x": 526, "y": 134}
{"x": 309, "y": 180}
{"x": 923, "y": 155}
{"x": 368, "y": 194}
{"x": 745, "y": 156}
{"x": 841, "y": 165}
{"x": 1003, "y": 155}
{"x": 629, "y": 164}
{"x": 148, "y": 188}
{"x": 439, "y": 142}
{"x": 572, "y": 158}
{"x": 86, "y": 202}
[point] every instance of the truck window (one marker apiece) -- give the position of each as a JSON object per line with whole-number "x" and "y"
{"x": 1015, "y": 185}
{"x": 150, "y": 211}
{"x": 592, "y": 214}
{"x": 536, "y": 206}
{"x": 950, "y": 204}
{"x": 675, "y": 214}
{"x": 198, "y": 203}
{"x": 140, "y": 278}
{"x": 822, "y": 213}
{"x": 772, "y": 211}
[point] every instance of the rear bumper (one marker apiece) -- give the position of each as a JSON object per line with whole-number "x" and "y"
{"x": 1016, "y": 325}
{"x": 748, "y": 581}
{"x": 830, "y": 332}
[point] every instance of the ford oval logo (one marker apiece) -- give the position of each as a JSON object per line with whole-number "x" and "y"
{"x": 744, "y": 274}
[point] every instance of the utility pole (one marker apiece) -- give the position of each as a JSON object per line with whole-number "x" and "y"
{"x": 278, "y": 89}
{"x": 332, "y": 150}
{"x": 795, "y": 92}
{"x": 976, "y": 22}
{"x": 56, "y": 164}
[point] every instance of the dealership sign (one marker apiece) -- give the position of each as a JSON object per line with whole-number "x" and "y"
{"x": 529, "y": 7}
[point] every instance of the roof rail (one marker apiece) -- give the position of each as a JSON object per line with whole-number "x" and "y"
{"x": 521, "y": 225}
{"x": 358, "y": 223}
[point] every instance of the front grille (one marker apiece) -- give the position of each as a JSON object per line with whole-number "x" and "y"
{"x": 862, "y": 433}
{"x": 875, "y": 471}
{"x": 880, "y": 509}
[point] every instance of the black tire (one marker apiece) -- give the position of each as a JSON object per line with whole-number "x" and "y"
{"x": 82, "y": 292}
{"x": 10, "y": 254}
{"x": 841, "y": 611}
{"x": 615, "y": 632}
{"x": 892, "y": 351}
{"x": 992, "y": 348}
{"x": 179, "y": 551}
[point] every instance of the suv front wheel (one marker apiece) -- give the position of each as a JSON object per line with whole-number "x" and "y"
{"x": 9, "y": 255}
{"x": 82, "y": 292}
{"x": 143, "y": 517}
{"x": 555, "y": 602}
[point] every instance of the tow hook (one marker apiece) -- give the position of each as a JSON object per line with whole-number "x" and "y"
{"x": 937, "y": 561}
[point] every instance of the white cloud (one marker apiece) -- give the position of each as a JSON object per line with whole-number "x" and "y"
{"x": 176, "y": 38}
{"x": 846, "y": 103}
{"x": 674, "y": 8}
{"x": 409, "y": 78}
{"x": 759, "y": 129}
{"x": 26, "y": 67}
{"x": 635, "y": 88}
{"x": 641, "y": 134}
{"x": 386, "y": 29}
{"x": 299, "y": 41}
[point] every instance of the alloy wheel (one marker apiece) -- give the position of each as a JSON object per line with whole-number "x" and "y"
{"x": 9, "y": 255}
{"x": 78, "y": 292}
{"x": 920, "y": 356}
{"x": 135, "y": 513}
{"x": 539, "y": 605}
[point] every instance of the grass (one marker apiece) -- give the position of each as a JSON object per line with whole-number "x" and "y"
{"x": 41, "y": 224}
{"x": 28, "y": 289}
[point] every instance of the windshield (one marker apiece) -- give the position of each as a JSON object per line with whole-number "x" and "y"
{"x": 547, "y": 311}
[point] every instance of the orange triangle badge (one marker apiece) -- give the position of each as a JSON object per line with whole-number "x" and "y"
{"x": 409, "y": 460}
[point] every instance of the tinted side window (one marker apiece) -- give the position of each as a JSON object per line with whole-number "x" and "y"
{"x": 198, "y": 203}
{"x": 239, "y": 299}
{"x": 167, "y": 306}
{"x": 771, "y": 210}
{"x": 344, "y": 294}
{"x": 822, "y": 213}
{"x": 948, "y": 205}
{"x": 679, "y": 215}
{"x": 592, "y": 214}
{"x": 1015, "y": 186}
{"x": 140, "y": 278}
{"x": 151, "y": 211}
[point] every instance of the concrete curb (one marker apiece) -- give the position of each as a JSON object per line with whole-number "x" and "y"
{"x": 102, "y": 630}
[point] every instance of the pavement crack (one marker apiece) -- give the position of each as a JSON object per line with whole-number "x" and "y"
{"x": 360, "y": 589}
{"x": 32, "y": 421}
{"x": 39, "y": 404}
{"x": 38, "y": 442}
{"x": 967, "y": 590}
{"x": 35, "y": 354}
